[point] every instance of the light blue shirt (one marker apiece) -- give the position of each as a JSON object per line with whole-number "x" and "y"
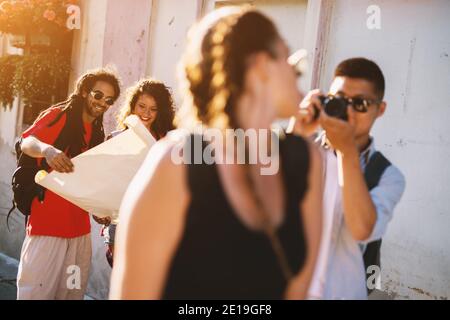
{"x": 340, "y": 270}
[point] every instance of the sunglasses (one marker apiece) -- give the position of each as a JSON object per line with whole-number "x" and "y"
{"x": 358, "y": 104}
{"x": 98, "y": 95}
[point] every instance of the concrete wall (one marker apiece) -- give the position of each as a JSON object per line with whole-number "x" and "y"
{"x": 125, "y": 44}
{"x": 413, "y": 48}
{"x": 87, "y": 50}
{"x": 171, "y": 20}
{"x": 289, "y": 17}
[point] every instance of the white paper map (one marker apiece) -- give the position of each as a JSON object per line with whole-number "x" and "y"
{"x": 102, "y": 174}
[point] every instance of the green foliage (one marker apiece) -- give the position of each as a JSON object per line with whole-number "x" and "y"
{"x": 8, "y": 65}
{"x": 38, "y": 78}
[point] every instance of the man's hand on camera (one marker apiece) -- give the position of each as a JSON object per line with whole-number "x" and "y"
{"x": 340, "y": 133}
{"x": 57, "y": 160}
{"x": 306, "y": 125}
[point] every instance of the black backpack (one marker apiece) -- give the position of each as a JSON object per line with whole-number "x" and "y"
{"x": 24, "y": 188}
{"x": 374, "y": 170}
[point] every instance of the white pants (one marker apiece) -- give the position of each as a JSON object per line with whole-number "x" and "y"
{"x": 54, "y": 268}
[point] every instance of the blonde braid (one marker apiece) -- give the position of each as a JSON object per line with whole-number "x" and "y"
{"x": 202, "y": 72}
{"x": 219, "y": 79}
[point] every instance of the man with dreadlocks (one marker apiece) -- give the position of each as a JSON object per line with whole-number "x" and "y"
{"x": 56, "y": 253}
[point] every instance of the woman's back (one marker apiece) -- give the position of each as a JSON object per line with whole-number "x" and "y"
{"x": 218, "y": 257}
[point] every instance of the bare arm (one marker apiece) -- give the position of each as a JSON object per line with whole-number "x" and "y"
{"x": 359, "y": 211}
{"x": 56, "y": 159}
{"x": 151, "y": 224}
{"x": 311, "y": 208}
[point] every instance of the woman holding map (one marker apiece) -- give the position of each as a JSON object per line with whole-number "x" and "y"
{"x": 150, "y": 100}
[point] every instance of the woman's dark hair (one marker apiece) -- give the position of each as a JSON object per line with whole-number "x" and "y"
{"x": 164, "y": 102}
{"x": 71, "y": 138}
{"x": 214, "y": 66}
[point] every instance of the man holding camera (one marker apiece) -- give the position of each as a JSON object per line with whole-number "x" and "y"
{"x": 361, "y": 187}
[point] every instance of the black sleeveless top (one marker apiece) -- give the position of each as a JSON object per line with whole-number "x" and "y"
{"x": 218, "y": 257}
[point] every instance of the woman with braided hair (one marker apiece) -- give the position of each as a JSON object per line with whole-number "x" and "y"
{"x": 202, "y": 230}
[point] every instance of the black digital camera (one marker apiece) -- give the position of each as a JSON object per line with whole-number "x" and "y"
{"x": 333, "y": 106}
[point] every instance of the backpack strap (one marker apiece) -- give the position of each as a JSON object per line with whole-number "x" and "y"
{"x": 374, "y": 170}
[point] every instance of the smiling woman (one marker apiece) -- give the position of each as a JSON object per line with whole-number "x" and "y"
{"x": 151, "y": 100}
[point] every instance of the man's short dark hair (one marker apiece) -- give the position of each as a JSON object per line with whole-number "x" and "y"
{"x": 362, "y": 68}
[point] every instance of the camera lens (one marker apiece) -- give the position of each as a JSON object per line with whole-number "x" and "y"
{"x": 336, "y": 107}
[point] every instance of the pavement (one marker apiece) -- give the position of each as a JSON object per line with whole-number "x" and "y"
{"x": 8, "y": 276}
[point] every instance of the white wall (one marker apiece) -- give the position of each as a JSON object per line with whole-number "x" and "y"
{"x": 289, "y": 17}
{"x": 87, "y": 51}
{"x": 170, "y": 22}
{"x": 413, "y": 49}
